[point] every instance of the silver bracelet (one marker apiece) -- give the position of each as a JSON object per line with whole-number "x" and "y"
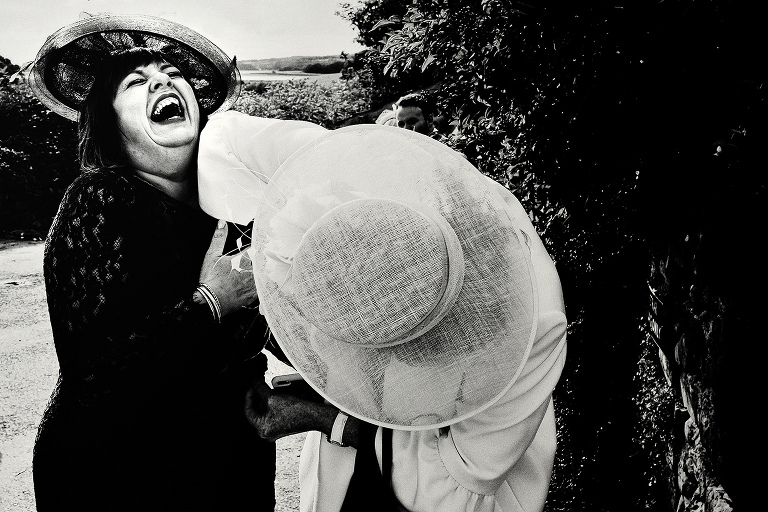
{"x": 212, "y": 300}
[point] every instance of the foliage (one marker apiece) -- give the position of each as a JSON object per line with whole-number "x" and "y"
{"x": 305, "y": 100}
{"x": 256, "y": 87}
{"x": 604, "y": 118}
{"x": 655, "y": 409}
{"x": 37, "y": 160}
{"x": 7, "y": 67}
{"x": 375, "y": 21}
{"x": 366, "y": 66}
{"x": 317, "y": 67}
{"x": 369, "y": 17}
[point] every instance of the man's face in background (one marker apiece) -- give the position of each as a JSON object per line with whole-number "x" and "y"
{"x": 412, "y": 118}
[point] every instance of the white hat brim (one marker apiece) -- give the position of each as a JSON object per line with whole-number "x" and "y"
{"x": 477, "y": 351}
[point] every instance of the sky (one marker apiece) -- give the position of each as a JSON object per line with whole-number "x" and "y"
{"x": 247, "y": 29}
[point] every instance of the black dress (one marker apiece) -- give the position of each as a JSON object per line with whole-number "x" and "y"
{"x": 148, "y": 412}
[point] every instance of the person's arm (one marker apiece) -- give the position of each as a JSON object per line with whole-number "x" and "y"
{"x": 237, "y": 157}
{"x": 506, "y": 451}
{"x": 503, "y": 454}
{"x": 275, "y": 415}
{"x": 110, "y": 335}
{"x": 468, "y": 465}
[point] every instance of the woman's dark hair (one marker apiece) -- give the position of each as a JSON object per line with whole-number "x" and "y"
{"x": 99, "y": 141}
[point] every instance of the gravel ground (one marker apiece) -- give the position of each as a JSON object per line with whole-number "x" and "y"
{"x": 28, "y": 370}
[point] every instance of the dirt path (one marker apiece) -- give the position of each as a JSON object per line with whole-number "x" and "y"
{"x": 28, "y": 370}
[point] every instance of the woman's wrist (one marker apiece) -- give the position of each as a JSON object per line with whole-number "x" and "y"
{"x": 204, "y": 295}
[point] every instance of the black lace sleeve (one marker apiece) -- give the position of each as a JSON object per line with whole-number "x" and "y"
{"x": 120, "y": 266}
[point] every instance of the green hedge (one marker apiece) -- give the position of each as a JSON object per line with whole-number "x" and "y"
{"x": 619, "y": 125}
{"x": 37, "y": 162}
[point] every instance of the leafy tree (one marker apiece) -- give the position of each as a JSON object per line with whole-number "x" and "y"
{"x": 604, "y": 118}
{"x": 375, "y": 21}
{"x": 318, "y": 67}
{"x": 368, "y": 15}
{"x": 37, "y": 160}
{"x": 7, "y": 67}
{"x": 306, "y": 100}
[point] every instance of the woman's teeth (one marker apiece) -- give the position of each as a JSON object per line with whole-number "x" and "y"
{"x": 166, "y": 108}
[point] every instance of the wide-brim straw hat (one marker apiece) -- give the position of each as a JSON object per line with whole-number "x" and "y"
{"x": 63, "y": 71}
{"x": 394, "y": 278}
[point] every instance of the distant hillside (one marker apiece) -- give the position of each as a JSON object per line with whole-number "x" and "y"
{"x": 323, "y": 64}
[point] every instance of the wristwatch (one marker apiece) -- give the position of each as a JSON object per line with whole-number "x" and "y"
{"x": 337, "y": 432}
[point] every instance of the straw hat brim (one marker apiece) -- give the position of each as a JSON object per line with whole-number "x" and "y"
{"x": 62, "y": 73}
{"x": 476, "y": 352}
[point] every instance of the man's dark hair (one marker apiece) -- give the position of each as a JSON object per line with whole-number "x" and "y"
{"x": 421, "y": 100}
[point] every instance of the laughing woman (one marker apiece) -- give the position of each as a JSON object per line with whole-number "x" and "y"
{"x": 155, "y": 342}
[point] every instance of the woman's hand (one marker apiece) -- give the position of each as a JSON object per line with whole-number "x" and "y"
{"x": 234, "y": 288}
{"x": 276, "y": 415}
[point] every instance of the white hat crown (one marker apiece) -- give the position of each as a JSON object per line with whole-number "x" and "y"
{"x": 376, "y": 272}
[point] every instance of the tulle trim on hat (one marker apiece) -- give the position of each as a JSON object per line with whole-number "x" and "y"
{"x": 302, "y": 209}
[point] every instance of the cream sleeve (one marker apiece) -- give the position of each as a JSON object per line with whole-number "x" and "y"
{"x": 237, "y": 157}
{"x": 501, "y": 458}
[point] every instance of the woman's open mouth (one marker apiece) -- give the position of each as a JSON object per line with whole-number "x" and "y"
{"x": 167, "y": 108}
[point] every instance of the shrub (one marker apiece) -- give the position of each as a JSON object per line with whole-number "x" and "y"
{"x": 307, "y": 100}
{"x": 602, "y": 117}
{"x": 317, "y": 67}
{"x": 37, "y": 160}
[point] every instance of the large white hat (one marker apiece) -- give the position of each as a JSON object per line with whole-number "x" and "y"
{"x": 394, "y": 278}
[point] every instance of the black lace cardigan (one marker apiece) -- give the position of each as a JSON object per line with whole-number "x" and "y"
{"x": 150, "y": 395}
